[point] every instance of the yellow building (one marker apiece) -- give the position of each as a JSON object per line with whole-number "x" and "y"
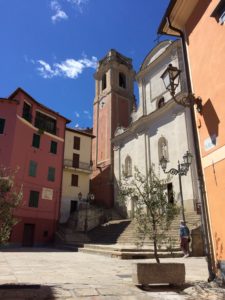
{"x": 76, "y": 170}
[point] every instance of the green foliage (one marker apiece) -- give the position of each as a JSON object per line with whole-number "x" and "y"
{"x": 10, "y": 198}
{"x": 154, "y": 214}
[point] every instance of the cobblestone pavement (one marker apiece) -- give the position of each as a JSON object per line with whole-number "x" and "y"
{"x": 53, "y": 274}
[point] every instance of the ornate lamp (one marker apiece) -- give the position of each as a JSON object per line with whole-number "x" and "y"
{"x": 171, "y": 79}
{"x": 187, "y": 158}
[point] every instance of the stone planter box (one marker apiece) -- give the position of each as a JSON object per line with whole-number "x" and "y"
{"x": 153, "y": 273}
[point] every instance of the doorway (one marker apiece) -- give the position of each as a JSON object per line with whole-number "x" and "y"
{"x": 73, "y": 206}
{"x": 170, "y": 193}
{"x": 28, "y": 235}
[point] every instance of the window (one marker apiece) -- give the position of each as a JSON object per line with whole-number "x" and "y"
{"x": 76, "y": 143}
{"x": 104, "y": 82}
{"x": 161, "y": 102}
{"x": 34, "y": 198}
{"x": 27, "y": 112}
{"x": 32, "y": 168}
{"x": 74, "y": 180}
{"x": 128, "y": 166}
{"x": 2, "y": 125}
{"x": 51, "y": 174}
{"x": 45, "y": 123}
{"x": 36, "y": 140}
{"x": 122, "y": 80}
{"x": 219, "y": 12}
{"x": 53, "y": 147}
{"x": 76, "y": 158}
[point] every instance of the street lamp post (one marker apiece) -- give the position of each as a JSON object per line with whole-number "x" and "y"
{"x": 171, "y": 77}
{"x": 182, "y": 169}
{"x": 90, "y": 198}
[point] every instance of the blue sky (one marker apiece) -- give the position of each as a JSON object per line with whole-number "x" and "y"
{"x": 50, "y": 47}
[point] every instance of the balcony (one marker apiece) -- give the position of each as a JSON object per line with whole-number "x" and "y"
{"x": 69, "y": 163}
{"x": 27, "y": 116}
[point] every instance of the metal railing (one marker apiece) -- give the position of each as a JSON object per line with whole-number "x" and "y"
{"x": 80, "y": 165}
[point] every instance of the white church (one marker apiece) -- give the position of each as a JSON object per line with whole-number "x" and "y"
{"x": 158, "y": 128}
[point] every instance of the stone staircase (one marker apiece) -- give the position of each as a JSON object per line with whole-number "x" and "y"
{"x": 116, "y": 238}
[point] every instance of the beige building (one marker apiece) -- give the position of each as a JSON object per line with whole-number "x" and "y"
{"x": 76, "y": 171}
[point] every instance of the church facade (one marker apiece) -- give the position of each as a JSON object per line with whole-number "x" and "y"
{"x": 127, "y": 137}
{"x": 159, "y": 128}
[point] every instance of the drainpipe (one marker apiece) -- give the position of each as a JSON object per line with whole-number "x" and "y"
{"x": 204, "y": 215}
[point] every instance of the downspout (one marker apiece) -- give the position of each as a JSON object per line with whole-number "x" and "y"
{"x": 204, "y": 215}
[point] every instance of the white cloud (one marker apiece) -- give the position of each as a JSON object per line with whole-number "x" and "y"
{"x": 78, "y": 4}
{"x": 77, "y": 114}
{"x": 87, "y": 113}
{"x": 59, "y": 14}
{"x": 69, "y": 68}
{"x": 77, "y": 125}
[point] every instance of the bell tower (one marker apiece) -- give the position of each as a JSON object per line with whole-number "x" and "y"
{"x": 113, "y": 104}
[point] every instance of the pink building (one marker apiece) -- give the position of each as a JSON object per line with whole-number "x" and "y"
{"x": 32, "y": 139}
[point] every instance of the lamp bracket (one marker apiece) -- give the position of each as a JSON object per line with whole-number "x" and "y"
{"x": 175, "y": 172}
{"x": 188, "y": 101}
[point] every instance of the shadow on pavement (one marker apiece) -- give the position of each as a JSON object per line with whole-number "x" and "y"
{"x": 164, "y": 288}
{"x": 33, "y": 249}
{"x": 26, "y": 292}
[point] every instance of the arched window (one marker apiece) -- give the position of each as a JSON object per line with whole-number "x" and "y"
{"x": 161, "y": 102}
{"x": 128, "y": 166}
{"x": 122, "y": 80}
{"x": 104, "y": 82}
{"x": 163, "y": 148}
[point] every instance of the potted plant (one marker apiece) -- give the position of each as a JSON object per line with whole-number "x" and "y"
{"x": 154, "y": 215}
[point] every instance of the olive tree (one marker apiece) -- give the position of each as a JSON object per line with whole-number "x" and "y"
{"x": 10, "y": 198}
{"x": 154, "y": 213}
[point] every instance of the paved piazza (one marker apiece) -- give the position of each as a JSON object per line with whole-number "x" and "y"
{"x": 74, "y": 275}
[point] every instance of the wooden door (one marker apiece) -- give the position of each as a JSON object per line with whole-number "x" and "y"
{"x": 28, "y": 235}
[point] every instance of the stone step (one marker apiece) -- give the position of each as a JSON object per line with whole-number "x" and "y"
{"x": 128, "y": 253}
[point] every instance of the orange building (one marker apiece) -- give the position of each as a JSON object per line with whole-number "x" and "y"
{"x": 200, "y": 24}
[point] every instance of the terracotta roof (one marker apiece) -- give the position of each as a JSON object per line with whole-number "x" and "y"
{"x": 81, "y": 131}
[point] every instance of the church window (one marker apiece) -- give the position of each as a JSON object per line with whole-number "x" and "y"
{"x": 104, "y": 82}
{"x": 163, "y": 148}
{"x": 128, "y": 167}
{"x": 161, "y": 102}
{"x": 122, "y": 80}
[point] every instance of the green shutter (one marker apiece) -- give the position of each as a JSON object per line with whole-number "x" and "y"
{"x": 51, "y": 174}
{"x": 32, "y": 168}
{"x": 34, "y": 198}
{"x": 36, "y": 140}
{"x": 53, "y": 148}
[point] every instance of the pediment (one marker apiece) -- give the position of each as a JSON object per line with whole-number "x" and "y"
{"x": 155, "y": 53}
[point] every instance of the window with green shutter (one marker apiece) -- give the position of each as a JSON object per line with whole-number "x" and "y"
{"x": 32, "y": 168}
{"x": 36, "y": 140}
{"x": 2, "y": 125}
{"x": 53, "y": 147}
{"x": 34, "y": 198}
{"x": 51, "y": 174}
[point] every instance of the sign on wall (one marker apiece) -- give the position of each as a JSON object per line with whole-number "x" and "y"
{"x": 47, "y": 193}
